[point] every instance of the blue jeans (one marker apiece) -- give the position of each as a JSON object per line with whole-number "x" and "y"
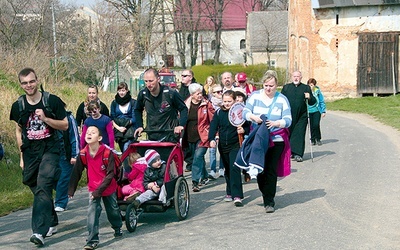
{"x": 213, "y": 159}
{"x": 199, "y": 170}
{"x": 94, "y": 212}
{"x": 62, "y": 184}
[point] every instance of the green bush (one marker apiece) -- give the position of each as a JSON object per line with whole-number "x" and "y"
{"x": 254, "y": 72}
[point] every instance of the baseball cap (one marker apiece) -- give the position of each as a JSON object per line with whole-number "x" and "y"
{"x": 242, "y": 77}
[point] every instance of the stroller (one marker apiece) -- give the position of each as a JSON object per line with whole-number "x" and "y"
{"x": 176, "y": 187}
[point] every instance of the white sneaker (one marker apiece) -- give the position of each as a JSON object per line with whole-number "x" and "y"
{"x": 221, "y": 172}
{"x": 59, "y": 209}
{"x": 212, "y": 174}
{"x": 52, "y": 230}
{"x": 37, "y": 239}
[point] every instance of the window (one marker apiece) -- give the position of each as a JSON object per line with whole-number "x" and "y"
{"x": 213, "y": 44}
{"x": 242, "y": 44}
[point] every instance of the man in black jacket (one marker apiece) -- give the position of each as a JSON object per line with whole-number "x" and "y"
{"x": 164, "y": 107}
{"x": 298, "y": 94}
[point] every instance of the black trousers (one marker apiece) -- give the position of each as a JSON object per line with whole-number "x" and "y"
{"x": 267, "y": 179}
{"x": 315, "y": 121}
{"x": 298, "y": 134}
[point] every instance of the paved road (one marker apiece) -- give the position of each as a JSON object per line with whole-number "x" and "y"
{"x": 347, "y": 198}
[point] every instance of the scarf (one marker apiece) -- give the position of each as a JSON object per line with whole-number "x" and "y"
{"x": 123, "y": 100}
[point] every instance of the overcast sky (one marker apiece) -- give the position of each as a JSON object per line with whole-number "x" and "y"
{"x": 78, "y": 3}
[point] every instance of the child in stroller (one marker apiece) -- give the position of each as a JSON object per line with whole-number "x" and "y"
{"x": 153, "y": 177}
{"x": 135, "y": 177}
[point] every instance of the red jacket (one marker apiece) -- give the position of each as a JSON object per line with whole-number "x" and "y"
{"x": 101, "y": 181}
{"x": 205, "y": 114}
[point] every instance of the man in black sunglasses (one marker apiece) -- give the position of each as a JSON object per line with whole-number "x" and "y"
{"x": 187, "y": 78}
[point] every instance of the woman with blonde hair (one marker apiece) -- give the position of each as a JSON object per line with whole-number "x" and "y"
{"x": 208, "y": 85}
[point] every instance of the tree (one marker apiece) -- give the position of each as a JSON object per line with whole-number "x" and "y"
{"x": 187, "y": 19}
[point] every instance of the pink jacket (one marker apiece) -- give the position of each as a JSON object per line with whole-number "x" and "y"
{"x": 136, "y": 175}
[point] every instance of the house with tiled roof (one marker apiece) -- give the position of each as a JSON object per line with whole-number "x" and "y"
{"x": 267, "y": 38}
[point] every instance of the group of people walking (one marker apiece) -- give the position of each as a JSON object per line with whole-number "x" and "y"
{"x": 274, "y": 126}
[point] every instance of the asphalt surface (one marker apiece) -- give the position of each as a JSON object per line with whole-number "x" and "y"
{"x": 348, "y": 197}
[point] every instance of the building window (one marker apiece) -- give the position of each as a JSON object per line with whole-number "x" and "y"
{"x": 213, "y": 44}
{"x": 242, "y": 44}
{"x": 189, "y": 39}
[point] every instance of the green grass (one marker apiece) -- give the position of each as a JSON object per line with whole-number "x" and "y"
{"x": 384, "y": 109}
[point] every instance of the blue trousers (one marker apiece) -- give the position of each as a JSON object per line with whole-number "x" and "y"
{"x": 62, "y": 184}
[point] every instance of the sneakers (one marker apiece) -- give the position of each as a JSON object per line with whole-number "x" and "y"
{"x": 228, "y": 198}
{"x": 195, "y": 186}
{"x": 212, "y": 175}
{"x": 37, "y": 239}
{"x": 237, "y": 202}
{"x": 298, "y": 158}
{"x": 204, "y": 182}
{"x": 59, "y": 209}
{"x": 90, "y": 246}
{"x": 269, "y": 209}
{"x": 118, "y": 233}
{"x": 221, "y": 172}
{"x": 52, "y": 230}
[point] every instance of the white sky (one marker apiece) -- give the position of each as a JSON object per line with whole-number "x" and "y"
{"x": 78, "y": 3}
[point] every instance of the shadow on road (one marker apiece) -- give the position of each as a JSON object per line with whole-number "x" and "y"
{"x": 298, "y": 197}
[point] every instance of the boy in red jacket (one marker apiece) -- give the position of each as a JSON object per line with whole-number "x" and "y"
{"x": 101, "y": 185}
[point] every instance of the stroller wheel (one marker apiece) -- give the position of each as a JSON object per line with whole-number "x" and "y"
{"x": 131, "y": 218}
{"x": 181, "y": 198}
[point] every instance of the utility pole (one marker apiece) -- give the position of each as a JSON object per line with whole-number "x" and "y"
{"x": 54, "y": 39}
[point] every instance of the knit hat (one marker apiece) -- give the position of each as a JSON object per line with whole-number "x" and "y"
{"x": 151, "y": 156}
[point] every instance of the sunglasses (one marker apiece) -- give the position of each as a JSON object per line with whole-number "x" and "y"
{"x": 185, "y": 75}
{"x": 218, "y": 92}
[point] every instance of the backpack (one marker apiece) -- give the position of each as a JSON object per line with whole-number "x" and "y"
{"x": 106, "y": 155}
{"x": 45, "y": 101}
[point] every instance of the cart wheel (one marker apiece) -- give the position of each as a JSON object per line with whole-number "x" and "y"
{"x": 131, "y": 218}
{"x": 181, "y": 198}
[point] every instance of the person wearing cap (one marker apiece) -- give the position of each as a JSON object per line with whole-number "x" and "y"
{"x": 242, "y": 83}
{"x": 153, "y": 177}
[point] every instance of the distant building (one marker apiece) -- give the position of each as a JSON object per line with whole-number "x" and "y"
{"x": 267, "y": 38}
{"x": 350, "y": 47}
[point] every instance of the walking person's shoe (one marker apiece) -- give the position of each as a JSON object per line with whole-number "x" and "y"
{"x": 314, "y": 143}
{"x": 298, "y": 158}
{"x": 269, "y": 209}
{"x": 195, "y": 186}
{"x": 319, "y": 143}
{"x": 118, "y": 233}
{"x": 204, "y": 182}
{"x": 90, "y": 246}
{"x": 52, "y": 230}
{"x": 37, "y": 239}
{"x": 237, "y": 202}
{"x": 221, "y": 172}
{"x": 212, "y": 175}
{"x": 59, "y": 209}
{"x": 228, "y": 198}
